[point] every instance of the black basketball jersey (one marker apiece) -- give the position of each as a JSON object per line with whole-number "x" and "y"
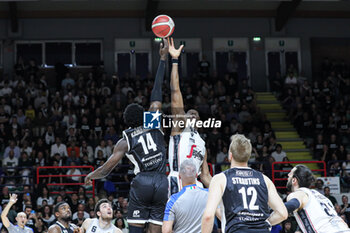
{"x": 146, "y": 149}
{"x": 70, "y": 229}
{"x": 245, "y": 200}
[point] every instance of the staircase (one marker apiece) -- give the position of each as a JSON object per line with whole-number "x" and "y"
{"x": 286, "y": 135}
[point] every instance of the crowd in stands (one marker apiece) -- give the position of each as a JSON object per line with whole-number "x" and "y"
{"x": 320, "y": 111}
{"x": 79, "y": 120}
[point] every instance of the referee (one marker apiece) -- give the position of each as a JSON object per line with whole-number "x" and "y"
{"x": 184, "y": 210}
{"x": 21, "y": 218}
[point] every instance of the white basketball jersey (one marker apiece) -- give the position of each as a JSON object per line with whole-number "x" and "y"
{"x": 319, "y": 215}
{"x": 95, "y": 227}
{"x": 187, "y": 145}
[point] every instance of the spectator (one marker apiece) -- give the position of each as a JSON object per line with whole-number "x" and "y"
{"x": 47, "y": 215}
{"x": 67, "y": 81}
{"x": 327, "y": 193}
{"x": 345, "y": 208}
{"x": 14, "y": 148}
{"x": 279, "y": 154}
{"x": 44, "y": 195}
{"x": 9, "y": 163}
{"x": 319, "y": 186}
{"x": 75, "y": 172}
{"x": 80, "y": 218}
{"x": 287, "y": 227}
{"x": 81, "y": 208}
{"x": 119, "y": 222}
{"x": 102, "y": 147}
{"x": 59, "y": 148}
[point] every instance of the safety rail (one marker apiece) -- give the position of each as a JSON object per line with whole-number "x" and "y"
{"x": 16, "y": 176}
{"x": 274, "y": 179}
{"x": 38, "y": 176}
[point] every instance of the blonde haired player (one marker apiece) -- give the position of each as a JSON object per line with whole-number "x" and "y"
{"x": 313, "y": 211}
{"x": 103, "y": 224}
{"x": 246, "y": 195}
{"x": 185, "y": 143}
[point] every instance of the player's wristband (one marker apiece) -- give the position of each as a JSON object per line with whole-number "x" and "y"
{"x": 175, "y": 61}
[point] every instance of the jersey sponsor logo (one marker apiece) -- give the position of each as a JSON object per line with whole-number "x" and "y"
{"x": 136, "y": 214}
{"x": 244, "y": 173}
{"x": 151, "y": 120}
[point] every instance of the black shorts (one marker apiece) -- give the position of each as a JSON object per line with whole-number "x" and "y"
{"x": 148, "y": 197}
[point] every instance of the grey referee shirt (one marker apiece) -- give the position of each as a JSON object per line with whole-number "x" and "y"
{"x": 186, "y": 209}
{"x": 16, "y": 229}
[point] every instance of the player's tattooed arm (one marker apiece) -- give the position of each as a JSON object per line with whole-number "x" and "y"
{"x": 119, "y": 151}
{"x": 156, "y": 95}
{"x": 205, "y": 174}
{"x": 177, "y": 105}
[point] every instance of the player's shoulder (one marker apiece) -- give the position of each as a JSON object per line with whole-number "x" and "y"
{"x": 300, "y": 194}
{"x": 54, "y": 228}
{"x": 117, "y": 230}
{"x": 218, "y": 177}
{"x": 173, "y": 198}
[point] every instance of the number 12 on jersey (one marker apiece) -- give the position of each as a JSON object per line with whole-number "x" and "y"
{"x": 251, "y": 191}
{"x": 150, "y": 143}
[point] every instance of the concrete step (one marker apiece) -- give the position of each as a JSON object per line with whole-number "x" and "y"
{"x": 273, "y": 110}
{"x": 266, "y": 101}
{"x": 292, "y": 134}
{"x": 264, "y": 93}
{"x": 289, "y": 139}
{"x": 293, "y": 145}
{"x": 287, "y": 129}
{"x": 276, "y": 115}
{"x": 266, "y": 98}
{"x": 281, "y": 124}
{"x": 296, "y": 150}
{"x": 270, "y": 106}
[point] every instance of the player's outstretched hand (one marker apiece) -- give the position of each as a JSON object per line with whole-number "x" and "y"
{"x": 175, "y": 53}
{"x": 88, "y": 180}
{"x": 164, "y": 49}
{"x": 13, "y": 198}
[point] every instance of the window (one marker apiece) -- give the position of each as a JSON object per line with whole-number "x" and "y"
{"x": 30, "y": 51}
{"x": 57, "y": 52}
{"x": 67, "y": 52}
{"x": 87, "y": 54}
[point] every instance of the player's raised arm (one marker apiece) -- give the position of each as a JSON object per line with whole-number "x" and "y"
{"x": 205, "y": 174}
{"x": 119, "y": 150}
{"x": 177, "y": 105}
{"x": 216, "y": 190}
{"x": 276, "y": 204}
{"x": 156, "y": 95}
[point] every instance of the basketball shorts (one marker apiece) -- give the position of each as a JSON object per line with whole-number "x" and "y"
{"x": 148, "y": 197}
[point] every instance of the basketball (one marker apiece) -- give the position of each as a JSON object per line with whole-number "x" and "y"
{"x": 163, "y": 26}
